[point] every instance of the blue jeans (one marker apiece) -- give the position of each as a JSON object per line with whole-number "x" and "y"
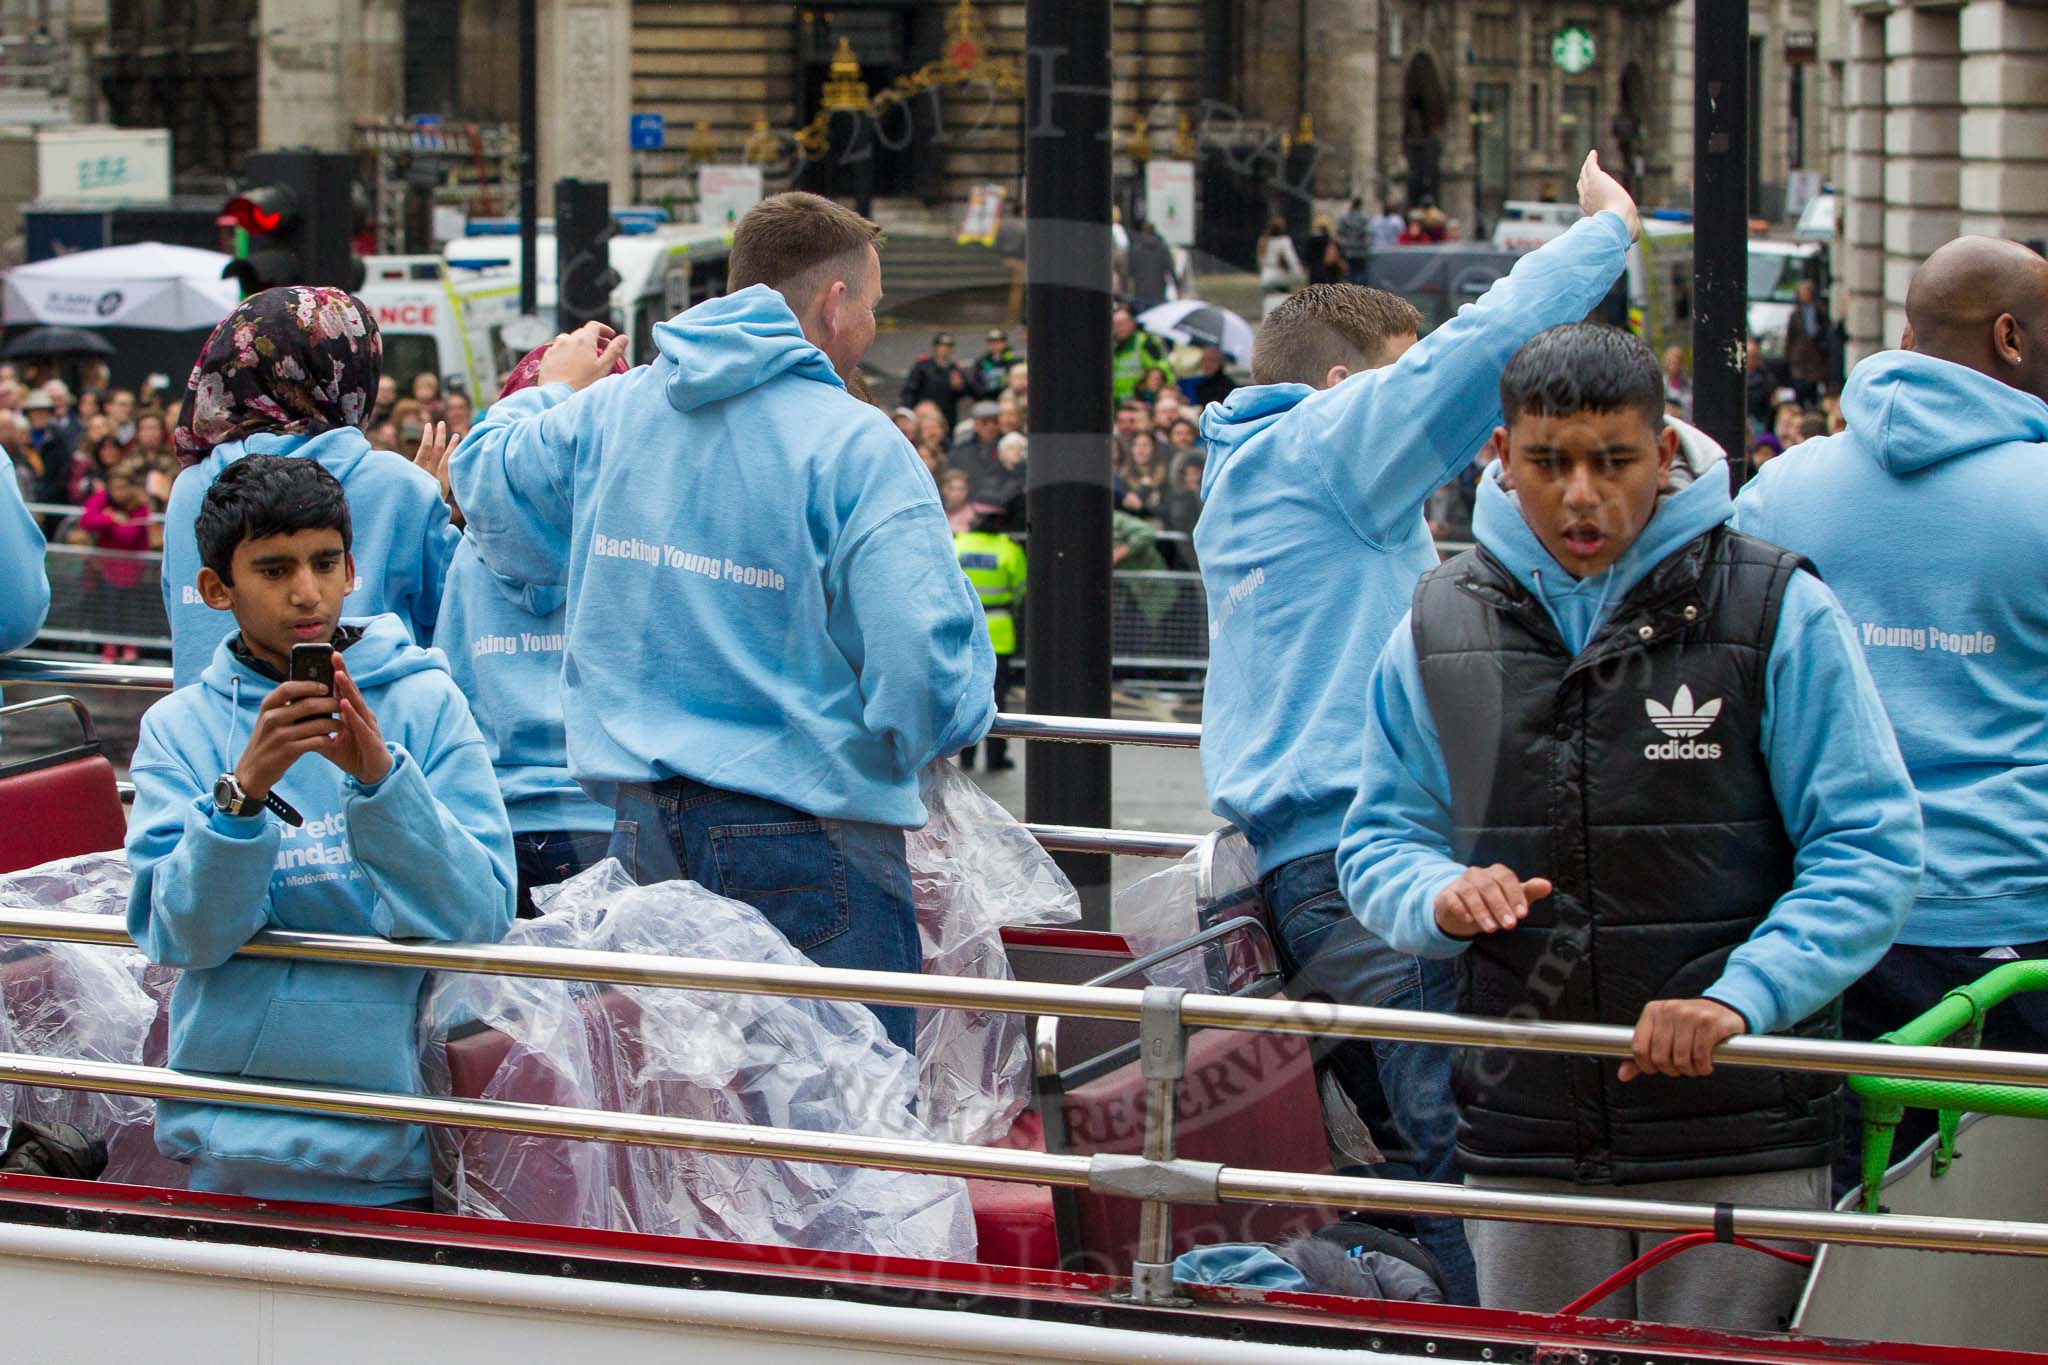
{"x": 1402, "y": 1090}
{"x": 838, "y": 890}
{"x": 545, "y": 857}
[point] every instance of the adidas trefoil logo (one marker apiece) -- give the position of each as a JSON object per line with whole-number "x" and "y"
{"x": 1685, "y": 722}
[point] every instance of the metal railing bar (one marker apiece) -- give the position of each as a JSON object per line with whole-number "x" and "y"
{"x": 542, "y": 1120}
{"x": 1089, "y": 730}
{"x": 1071, "y": 729}
{"x": 1134, "y": 843}
{"x": 1253, "y": 1015}
{"x": 1909, "y": 1231}
{"x": 20, "y": 668}
{"x": 1917, "y": 1231}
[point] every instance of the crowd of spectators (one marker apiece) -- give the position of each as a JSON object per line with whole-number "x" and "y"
{"x": 96, "y": 466}
{"x": 970, "y": 423}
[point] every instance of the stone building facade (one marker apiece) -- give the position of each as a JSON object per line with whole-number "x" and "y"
{"x": 1944, "y": 131}
{"x": 1471, "y": 100}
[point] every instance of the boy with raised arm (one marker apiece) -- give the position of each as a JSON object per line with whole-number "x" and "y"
{"x": 1311, "y": 539}
{"x": 1626, "y": 766}
{"x": 262, "y": 803}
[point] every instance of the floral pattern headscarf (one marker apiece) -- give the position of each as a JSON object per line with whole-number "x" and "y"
{"x": 296, "y": 361}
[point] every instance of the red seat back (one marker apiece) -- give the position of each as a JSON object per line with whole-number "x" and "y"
{"x": 59, "y": 810}
{"x": 1248, "y": 1100}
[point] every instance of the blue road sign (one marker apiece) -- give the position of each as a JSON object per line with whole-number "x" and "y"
{"x": 649, "y": 132}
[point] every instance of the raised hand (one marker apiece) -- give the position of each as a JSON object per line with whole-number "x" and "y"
{"x": 296, "y": 719}
{"x": 358, "y": 745}
{"x": 1486, "y": 900}
{"x": 582, "y": 357}
{"x": 1598, "y": 190}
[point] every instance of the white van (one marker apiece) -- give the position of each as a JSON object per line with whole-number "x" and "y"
{"x": 661, "y": 273}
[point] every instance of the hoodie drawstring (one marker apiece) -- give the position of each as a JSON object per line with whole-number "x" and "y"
{"x": 227, "y": 739}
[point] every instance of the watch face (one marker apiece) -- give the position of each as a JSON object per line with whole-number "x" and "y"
{"x": 227, "y": 794}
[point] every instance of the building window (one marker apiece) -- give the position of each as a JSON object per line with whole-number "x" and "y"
{"x": 1578, "y": 121}
{"x": 1536, "y": 116}
{"x": 432, "y": 40}
{"x": 1493, "y": 38}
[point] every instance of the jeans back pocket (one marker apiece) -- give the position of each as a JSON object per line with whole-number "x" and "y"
{"x": 793, "y": 872}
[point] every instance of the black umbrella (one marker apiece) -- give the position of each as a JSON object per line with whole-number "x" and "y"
{"x": 41, "y": 343}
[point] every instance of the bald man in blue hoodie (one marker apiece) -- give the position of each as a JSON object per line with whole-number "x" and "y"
{"x": 1311, "y": 540}
{"x": 768, "y": 634}
{"x": 1946, "y": 442}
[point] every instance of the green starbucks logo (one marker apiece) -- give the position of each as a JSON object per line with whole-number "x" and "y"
{"x": 1572, "y": 49}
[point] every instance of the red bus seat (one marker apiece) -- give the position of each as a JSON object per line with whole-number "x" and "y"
{"x": 60, "y": 804}
{"x": 1248, "y": 1099}
{"x": 1013, "y": 1221}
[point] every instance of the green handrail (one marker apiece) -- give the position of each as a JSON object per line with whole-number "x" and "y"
{"x": 1886, "y": 1099}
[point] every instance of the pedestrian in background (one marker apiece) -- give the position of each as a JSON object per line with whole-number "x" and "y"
{"x": 937, "y": 379}
{"x": 1807, "y": 338}
{"x": 994, "y": 564}
{"x": 1280, "y": 272}
{"x": 1134, "y": 353}
{"x": 1354, "y": 241}
{"x": 124, "y": 525}
{"x": 992, "y": 370}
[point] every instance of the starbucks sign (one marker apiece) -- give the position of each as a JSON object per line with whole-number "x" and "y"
{"x": 1572, "y": 49}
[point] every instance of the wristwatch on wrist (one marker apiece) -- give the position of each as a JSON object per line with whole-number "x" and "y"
{"x": 229, "y": 797}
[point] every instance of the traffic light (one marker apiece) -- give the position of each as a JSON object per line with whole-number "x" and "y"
{"x": 297, "y": 216}
{"x": 584, "y": 278}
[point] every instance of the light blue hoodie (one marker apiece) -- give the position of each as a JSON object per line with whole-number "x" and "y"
{"x": 504, "y": 648}
{"x": 1926, "y": 517}
{"x": 1312, "y": 539}
{"x": 426, "y": 853}
{"x": 762, "y": 589}
{"x": 402, "y": 539}
{"x": 1834, "y": 767}
{"x": 24, "y": 582}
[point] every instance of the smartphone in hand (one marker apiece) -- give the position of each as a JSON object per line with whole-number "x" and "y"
{"x": 313, "y": 663}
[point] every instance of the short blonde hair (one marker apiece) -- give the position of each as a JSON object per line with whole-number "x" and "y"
{"x": 797, "y": 244}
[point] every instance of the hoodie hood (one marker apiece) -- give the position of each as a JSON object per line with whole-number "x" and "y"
{"x": 727, "y": 346}
{"x": 538, "y": 600}
{"x": 384, "y": 654}
{"x": 1249, "y": 410}
{"x": 1578, "y": 605}
{"x": 338, "y": 451}
{"x": 1911, "y": 411}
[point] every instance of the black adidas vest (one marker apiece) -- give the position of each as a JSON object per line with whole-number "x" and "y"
{"x": 1631, "y": 776}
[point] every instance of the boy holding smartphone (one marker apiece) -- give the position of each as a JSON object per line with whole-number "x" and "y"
{"x": 263, "y": 801}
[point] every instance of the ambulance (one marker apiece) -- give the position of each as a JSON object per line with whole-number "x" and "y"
{"x": 661, "y": 272}
{"x": 443, "y": 320}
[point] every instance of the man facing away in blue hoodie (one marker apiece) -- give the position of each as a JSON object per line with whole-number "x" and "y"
{"x": 1945, "y": 449}
{"x": 768, "y": 634}
{"x": 1311, "y": 540}
{"x": 1626, "y": 766}
{"x": 267, "y": 804}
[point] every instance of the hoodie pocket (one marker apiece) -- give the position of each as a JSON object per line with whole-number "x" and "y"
{"x": 362, "y": 1045}
{"x": 793, "y": 872}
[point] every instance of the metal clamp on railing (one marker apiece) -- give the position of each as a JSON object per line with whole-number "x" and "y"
{"x": 1163, "y": 1062}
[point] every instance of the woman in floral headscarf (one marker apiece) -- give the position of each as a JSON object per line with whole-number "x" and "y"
{"x": 293, "y": 371}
